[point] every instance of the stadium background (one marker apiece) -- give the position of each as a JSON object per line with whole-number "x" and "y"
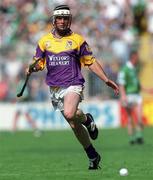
{"x": 111, "y": 27}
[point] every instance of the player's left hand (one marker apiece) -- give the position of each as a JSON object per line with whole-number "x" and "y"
{"x": 114, "y": 86}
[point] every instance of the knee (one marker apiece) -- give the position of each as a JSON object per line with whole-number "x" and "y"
{"x": 69, "y": 115}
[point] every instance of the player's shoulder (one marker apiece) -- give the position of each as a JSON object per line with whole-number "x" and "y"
{"x": 45, "y": 37}
{"x": 124, "y": 68}
{"x": 77, "y": 37}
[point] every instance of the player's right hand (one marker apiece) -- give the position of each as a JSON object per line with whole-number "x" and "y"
{"x": 113, "y": 85}
{"x": 124, "y": 102}
{"x": 35, "y": 67}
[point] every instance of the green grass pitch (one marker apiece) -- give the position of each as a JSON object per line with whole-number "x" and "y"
{"x": 56, "y": 155}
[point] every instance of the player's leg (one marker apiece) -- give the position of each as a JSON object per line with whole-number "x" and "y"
{"x": 37, "y": 132}
{"x": 15, "y": 119}
{"x": 130, "y": 125}
{"x": 74, "y": 118}
{"x": 94, "y": 157}
{"x": 86, "y": 119}
{"x": 90, "y": 124}
{"x": 30, "y": 120}
{"x": 139, "y": 126}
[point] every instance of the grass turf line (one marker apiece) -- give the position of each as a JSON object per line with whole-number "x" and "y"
{"x": 57, "y": 155}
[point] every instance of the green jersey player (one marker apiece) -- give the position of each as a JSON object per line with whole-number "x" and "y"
{"x": 130, "y": 97}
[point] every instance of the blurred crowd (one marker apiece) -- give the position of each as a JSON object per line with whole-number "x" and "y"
{"x": 111, "y": 28}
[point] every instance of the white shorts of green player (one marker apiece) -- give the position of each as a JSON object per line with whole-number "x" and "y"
{"x": 134, "y": 99}
{"x": 57, "y": 95}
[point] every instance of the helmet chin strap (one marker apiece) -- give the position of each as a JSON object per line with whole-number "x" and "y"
{"x": 63, "y": 32}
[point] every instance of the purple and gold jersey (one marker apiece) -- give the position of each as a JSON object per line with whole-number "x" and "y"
{"x": 64, "y": 58}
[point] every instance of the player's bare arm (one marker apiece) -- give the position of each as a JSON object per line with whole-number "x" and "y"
{"x": 97, "y": 68}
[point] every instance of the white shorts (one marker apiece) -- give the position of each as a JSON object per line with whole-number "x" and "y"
{"x": 58, "y": 93}
{"x": 133, "y": 99}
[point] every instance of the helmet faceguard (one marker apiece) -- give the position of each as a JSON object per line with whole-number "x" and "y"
{"x": 62, "y": 11}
